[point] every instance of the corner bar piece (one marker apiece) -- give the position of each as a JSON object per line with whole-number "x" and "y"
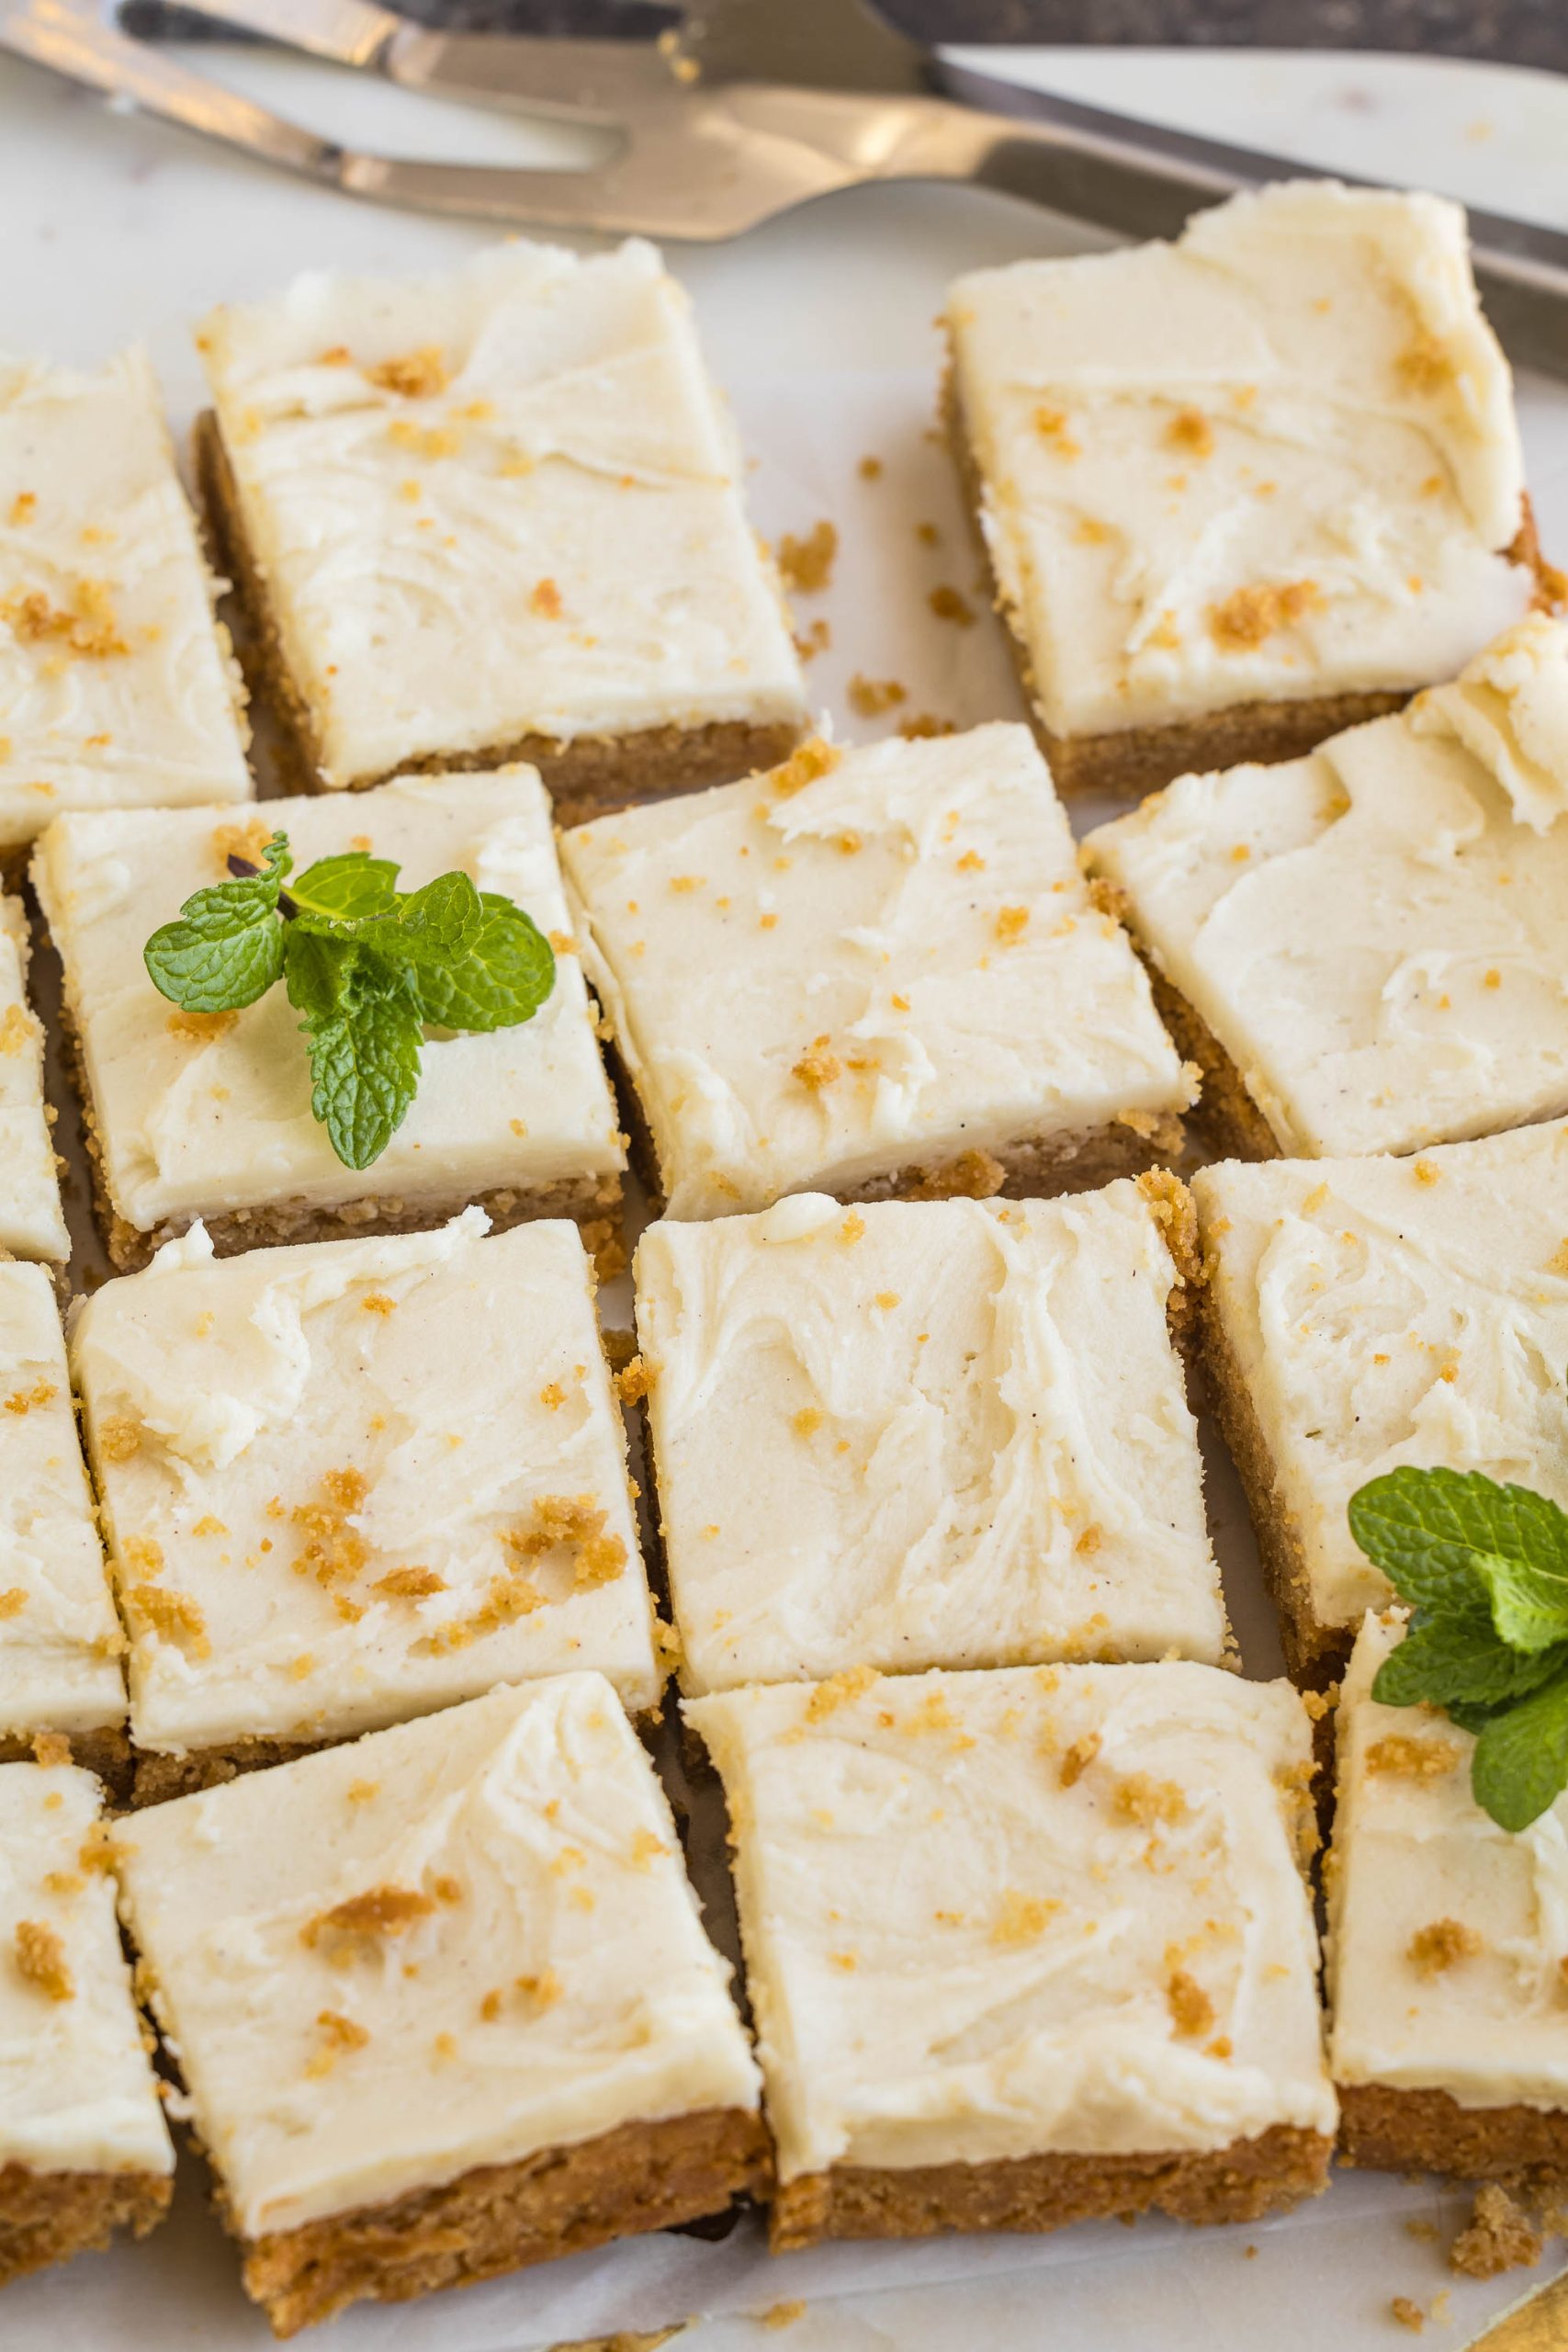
{"x": 1367, "y": 950}
{"x": 872, "y": 972}
{"x": 1446, "y": 1952}
{"x": 1247, "y": 489}
{"x": 208, "y": 1116}
{"x": 32, "y": 1222}
{"x": 496, "y": 517}
{"x": 443, "y": 2002}
{"x": 118, "y": 690}
{"x": 83, "y": 2148}
{"x": 1360, "y": 1314}
{"x": 1028, "y": 1947}
{"x": 928, "y": 1433}
{"x": 353, "y": 1482}
{"x": 61, "y": 1643}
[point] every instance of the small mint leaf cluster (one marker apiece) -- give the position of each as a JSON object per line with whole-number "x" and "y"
{"x": 1486, "y": 1570}
{"x": 368, "y": 966}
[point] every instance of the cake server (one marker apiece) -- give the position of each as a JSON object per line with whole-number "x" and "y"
{"x": 741, "y": 110}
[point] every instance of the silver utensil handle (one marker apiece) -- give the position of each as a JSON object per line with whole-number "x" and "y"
{"x": 1144, "y": 180}
{"x": 349, "y": 32}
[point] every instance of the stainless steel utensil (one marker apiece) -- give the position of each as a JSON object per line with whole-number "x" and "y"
{"x": 750, "y": 108}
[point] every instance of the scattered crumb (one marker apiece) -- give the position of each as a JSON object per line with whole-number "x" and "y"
{"x": 1433, "y": 1949}
{"x": 1500, "y": 2236}
{"x": 633, "y": 1381}
{"x": 813, "y": 758}
{"x": 925, "y": 724}
{"x": 1143, "y": 1798}
{"x": 1407, "y": 2313}
{"x": 1190, "y": 431}
{"x": 807, "y": 564}
{"x": 379, "y": 1911}
{"x": 1078, "y": 1758}
{"x": 818, "y": 1066}
{"x": 869, "y": 469}
{"x": 779, "y": 2315}
{"x": 1022, "y": 1919}
{"x": 41, "y": 1960}
{"x": 1249, "y": 616}
{"x": 869, "y": 697}
{"x": 50, "y": 1749}
{"x": 838, "y": 1691}
{"x": 1191, "y": 2011}
{"x": 1416, "y": 1760}
{"x": 949, "y": 604}
{"x": 416, "y": 375}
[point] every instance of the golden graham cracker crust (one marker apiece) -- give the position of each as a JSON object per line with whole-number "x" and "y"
{"x": 1388, "y": 2129}
{"x": 1241, "y": 2183}
{"x": 496, "y": 2218}
{"x": 49, "y": 2216}
{"x": 590, "y": 776}
{"x": 1130, "y": 762}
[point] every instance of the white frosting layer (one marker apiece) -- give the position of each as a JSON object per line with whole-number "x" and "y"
{"x": 32, "y": 1223}
{"x": 544, "y": 1868}
{"x": 194, "y": 1125}
{"x": 76, "y": 2088}
{"x": 953, "y": 1957}
{"x": 1276, "y": 458}
{"x": 1377, "y": 934}
{"x": 276, "y": 1436}
{"x": 117, "y": 689}
{"x": 939, "y": 1433}
{"x": 895, "y": 962}
{"x": 1414, "y": 1851}
{"x": 501, "y": 502}
{"x": 60, "y": 1638}
{"x": 1389, "y": 1311}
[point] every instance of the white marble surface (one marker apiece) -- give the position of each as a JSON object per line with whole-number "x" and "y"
{"x": 821, "y": 327}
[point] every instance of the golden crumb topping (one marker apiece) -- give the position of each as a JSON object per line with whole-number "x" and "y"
{"x": 1411, "y": 1758}
{"x": 22, "y": 1400}
{"x": 1190, "y": 432}
{"x": 332, "y": 1550}
{"x": 17, "y": 1030}
{"x": 199, "y": 1028}
{"x": 633, "y": 1381}
{"x": 1250, "y": 615}
{"x": 170, "y": 1617}
{"x": 1441, "y": 1945}
{"x": 119, "y": 1437}
{"x": 1078, "y": 1759}
{"x": 838, "y": 1691}
{"x": 818, "y": 1066}
{"x": 41, "y": 1960}
{"x": 1145, "y": 1800}
{"x": 1022, "y": 1919}
{"x": 379, "y": 1911}
{"x": 1191, "y": 2011}
{"x": 87, "y": 625}
{"x": 811, "y": 760}
{"x": 415, "y": 375}
{"x": 408, "y": 1584}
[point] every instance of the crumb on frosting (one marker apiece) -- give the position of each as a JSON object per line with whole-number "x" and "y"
{"x": 1249, "y": 616}
{"x": 1192, "y": 2010}
{"x": 807, "y": 763}
{"x": 22, "y": 1400}
{"x": 120, "y": 1436}
{"x": 41, "y": 1960}
{"x": 1078, "y": 1758}
{"x": 378, "y": 1911}
{"x": 1143, "y": 1798}
{"x": 414, "y": 376}
{"x": 1441, "y": 1945}
{"x": 1399, "y": 1753}
{"x": 818, "y": 1066}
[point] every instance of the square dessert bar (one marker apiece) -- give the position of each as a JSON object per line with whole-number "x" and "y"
{"x": 61, "y": 1643}
{"x": 32, "y": 1223}
{"x": 1247, "y": 489}
{"x": 1367, "y": 950}
{"x": 1028, "y": 1947}
{"x": 1360, "y": 1314}
{"x": 118, "y": 690}
{"x": 928, "y": 1433}
{"x": 871, "y": 972}
{"x": 1445, "y": 1953}
{"x": 83, "y": 2148}
{"x": 354, "y": 1481}
{"x": 208, "y": 1115}
{"x": 443, "y": 2002}
{"x": 497, "y": 516}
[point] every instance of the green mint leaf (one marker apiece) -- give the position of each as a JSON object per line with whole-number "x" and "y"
{"x": 442, "y": 920}
{"x": 1444, "y": 1537}
{"x": 364, "y": 1058}
{"x": 317, "y": 971}
{"x": 1457, "y": 1660}
{"x": 504, "y": 973}
{"x": 1520, "y": 1764}
{"x": 348, "y": 886}
{"x": 225, "y": 949}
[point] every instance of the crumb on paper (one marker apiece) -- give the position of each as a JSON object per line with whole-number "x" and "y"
{"x": 1499, "y": 2236}
{"x": 923, "y": 724}
{"x": 950, "y": 604}
{"x": 1407, "y": 2313}
{"x": 869, "y": 697}
{"x": 781, "y": 2315}
{"x": 807, "y": 564}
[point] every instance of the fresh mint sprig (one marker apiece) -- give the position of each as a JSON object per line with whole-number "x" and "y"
{"x": 368, "y": 968}
{"x": 1485, "y": 1569}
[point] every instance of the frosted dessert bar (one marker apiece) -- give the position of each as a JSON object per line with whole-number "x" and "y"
{"x": 32, "y": 1223}
{"x": 354, "y": 1481}
{"x": 1361, "y": 1314}
{"x": 928, "y": 1433}
{"x": 61, "y": 1643}
{"x": 1028, "y": 1947}
{"x": 872, "y": 971}
{"x": 1366, "y": 950}
{"x": 208, "y": 1115}
{"x": 1445, "y": 1951}
{"x": 83, "y": 2148}
{"x": 443, "y": 2002}
{"x": 118, "y": 690}
{"x": 1245, "y": 490}
{"x": 497, "y": 516}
